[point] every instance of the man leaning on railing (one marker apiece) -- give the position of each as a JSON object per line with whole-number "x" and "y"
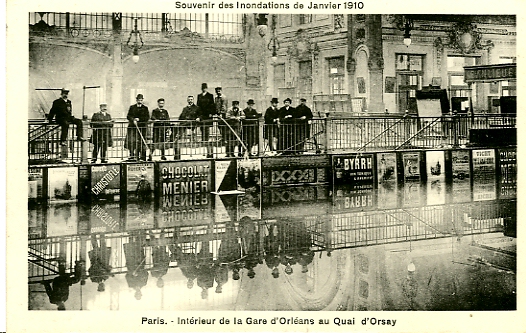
{"x": 62, "y": 112}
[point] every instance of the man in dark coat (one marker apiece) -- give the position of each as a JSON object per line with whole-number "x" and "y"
{"x": 271, "y": 123}
{"x": 136, "y": 275}
{"x": 187, "y": 262}
{"x": 205, "y": 269}
{"x": 99, "y": 257}
{"x": 101, "y": 138}
{"x": 207, "y": 108}
{"x": 303, "y": 117}
{"x": 250, "y": 126}
{"x": 161, "y": 263}
{"x": 286, "y": 142}
{"x": 138, "y": 116}
{"x": 62, "y": 112}
{"x": 162, "y": 131}
{"x": 233, "y": 118}
{"x": 188, "y": 117}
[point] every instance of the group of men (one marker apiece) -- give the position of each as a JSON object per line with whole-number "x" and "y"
{"x": 286, "y": 128}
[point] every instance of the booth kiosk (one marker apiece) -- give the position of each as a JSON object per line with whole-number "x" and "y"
{"x": 500, "y": 133}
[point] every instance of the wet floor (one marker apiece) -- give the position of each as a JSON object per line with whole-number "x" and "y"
{"x": 416, "y": 246}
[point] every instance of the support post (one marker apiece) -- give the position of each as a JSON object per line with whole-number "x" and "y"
{"x": 261, "y": 139}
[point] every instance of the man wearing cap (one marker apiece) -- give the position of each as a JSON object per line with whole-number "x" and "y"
{"x": 303, "y": 116}
{"x": 286, "y": 129}
{"x": 233, "y": 118}
{"x": 207, "y": 108}
{"x": 138, "y": 116}
{"x": 221, "y": 105}
{"x": 271, "y": 123}
{"x": 101, "y": 139}
{"x": 162, "y": 131}
{"x": 61, "y": 111}
{"x": 250, "y": 126}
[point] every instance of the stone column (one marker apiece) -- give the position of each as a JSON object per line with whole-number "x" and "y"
{"x": 376, "y": 63}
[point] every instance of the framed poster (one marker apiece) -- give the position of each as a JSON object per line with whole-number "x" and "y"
{"x": 386, "y": 168}
{"x": 483, "y": 161}
{"x": 137, "y": 172}
{"x": 106, "y": 181}
{"x": 185, "y": 177}
{"x": 411, "y": 164}
{"x": 225, "y": 172}
{"x": 435, "y": 165}
{"x": 249, "y": 175}
{"x": 35, "y": 179}
{"x": 353, "y": 169}
{"x": 460, "y": 165}
{"x": 63, "y": 184}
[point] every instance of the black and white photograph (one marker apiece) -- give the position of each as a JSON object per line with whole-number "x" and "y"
{"x": 206, "y": 167}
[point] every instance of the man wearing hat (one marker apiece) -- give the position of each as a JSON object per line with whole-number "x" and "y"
{"x": 250, "y": 126}
{"x": 138, "y": 116}
{"x": 221, "y": 104}
{"x": 101, "y": 139}
{"x": 61, "y": 111}
{"x": 233, "y": 118}
{"x": 303, "y": 116}
{"x": 286, "y": 129}
{"x": 162, "y": 131}
{"x": 207, "y": 108}
{"x": 271, "y": 123}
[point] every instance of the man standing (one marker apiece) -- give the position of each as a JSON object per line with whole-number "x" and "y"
{"x": 221, "y": 105}
{"x": 286, "y": 132}
{"x": 138, "y": 116}
{"x": 271, "y": 123}
{"x": 101, "y": 139}
{"x": 233, "y": 118}
{"x": 189, "y": 115}
{"x": 61, "y": 111}
{"x": 162, "y": 131}
{"x": 207, "y": 108}
{"x": 303, "y": 117}
{"x": 250, "y": 126}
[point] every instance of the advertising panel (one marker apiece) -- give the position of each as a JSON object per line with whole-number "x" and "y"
{"x": 106, "y": 181}
{"x": 508, "y": 173}
{"x": 63, "y": 184}
{"x": 35, "y": 183}
{"x": 353, "y": 169}
{"x": 386, "y": 167}
{"x": 483, "y": 161}
{"x": 138, "y": 177}
{"x": 225, "y": 176}
{"x": 411, "y": 164}
{"x": 291, "y": 170}
{"x": 460, "y": 165}
{"x": 185, "y": 177}
{"x": 249, "y": 175}
{"x": 435, "y": 165}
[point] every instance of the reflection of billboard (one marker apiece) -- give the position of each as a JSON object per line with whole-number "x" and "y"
{"x": 387, "y": 195}
{"x": 186, "y": 177}
{"x": 185, "y": 210}
{"x": 139, "y": 215}
{"x": 62, "y": 220}
{"x": 508, "y": 173}
{"x": 295, "y": 170}
{"x": 483, "y": 161}
{"x": 436, "y": 192}
{"x": 353, "y": 169}
{"x": 484, "y": 189}
{"x": 249, "y": 204}
{"x": 106, "y": 181}
{"x": 386, "y": 166}
{"x": 105, "y": 218}
{"x": 136, "y": 172}
{"x": 249, "y": 174}
{"x": 411, "y": 162}
{"x": 63, "y": 184}
{"x": 35, "y": 183}
{"x": 412, "y": 194}
{"x": 435, "y": 163}
{"x": 349, "y": 198}
{"x": 461, "y": 191}
{"x": 36, "y": 222}
{"x": 460, "y": 165}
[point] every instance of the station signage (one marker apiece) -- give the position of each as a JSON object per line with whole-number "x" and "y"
{"x": 185, "y": 177}
{"x": 490, "y": 73}
{"x": 106, "y": 181}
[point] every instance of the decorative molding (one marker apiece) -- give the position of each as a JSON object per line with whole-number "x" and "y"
{"x": 439, "y": 47}
{"x": 339, "y": 22}
{"x": 465, "y": 38}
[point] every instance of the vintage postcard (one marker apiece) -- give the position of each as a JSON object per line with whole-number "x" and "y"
{"x": 293, "y": 166}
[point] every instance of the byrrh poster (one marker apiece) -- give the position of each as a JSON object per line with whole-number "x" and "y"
{"x": 411, "y": 266}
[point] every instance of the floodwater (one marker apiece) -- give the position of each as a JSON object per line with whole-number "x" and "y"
{"x": 416, "y": 246}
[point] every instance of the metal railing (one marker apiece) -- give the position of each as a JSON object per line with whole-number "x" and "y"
{"x": 216, "y": 138}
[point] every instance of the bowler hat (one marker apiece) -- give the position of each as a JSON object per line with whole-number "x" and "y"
{"x": 64, "y": 91}
{"x": 303, "y": 99}
{"x": 235, "y": 102}
{"x": 287, "y": 100}
{"x": 139, "y": 96}
{"x": 219, "y": 88}
{"x": 251, "y": 102}
{"x": 204, "y": 86}
{"x": 274, "y": 100}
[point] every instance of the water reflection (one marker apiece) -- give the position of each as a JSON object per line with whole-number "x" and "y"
{"x": 417, "y": 246}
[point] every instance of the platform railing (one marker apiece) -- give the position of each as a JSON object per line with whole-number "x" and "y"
{"x": 217, "y": 138}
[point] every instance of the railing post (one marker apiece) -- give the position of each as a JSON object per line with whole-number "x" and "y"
{"x": 327, "y": 134}
{"x": 84, "y": 144}
{"x": 456, "y": 124}
{"x": 261, "y": 140}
